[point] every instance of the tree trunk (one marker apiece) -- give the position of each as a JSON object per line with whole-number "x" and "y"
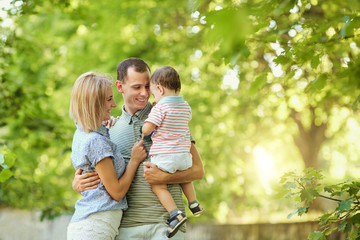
{"x": 309, "y": 142}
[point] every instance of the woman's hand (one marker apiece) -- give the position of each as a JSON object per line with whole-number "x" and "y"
{"x": 85, "y": 182}
{"x": 138, "y": 153}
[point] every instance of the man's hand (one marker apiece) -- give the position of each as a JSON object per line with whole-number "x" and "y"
{"x": 85, "y": 182}
{"x": 153, "y": 175}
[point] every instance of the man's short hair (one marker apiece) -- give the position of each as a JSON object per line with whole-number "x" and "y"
{"x": 138, "y": 64}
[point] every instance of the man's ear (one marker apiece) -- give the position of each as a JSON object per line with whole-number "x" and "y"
{"x": 161, "y": 89}
{"x": 119, "y": 86}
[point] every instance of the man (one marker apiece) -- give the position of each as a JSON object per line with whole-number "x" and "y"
{"x": 145, "y": 217}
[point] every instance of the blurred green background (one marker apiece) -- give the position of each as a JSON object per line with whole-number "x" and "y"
{"x": 273, "y": 85}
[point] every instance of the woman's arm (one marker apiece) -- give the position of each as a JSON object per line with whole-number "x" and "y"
{"x": 153, "y": 175}
{"x": 117, "y": 188}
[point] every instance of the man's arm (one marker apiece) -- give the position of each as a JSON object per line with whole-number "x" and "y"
{"x": 85, "y": 182}
{"x": 153, "y": 175}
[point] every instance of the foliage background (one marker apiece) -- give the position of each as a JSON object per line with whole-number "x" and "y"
{"x": 274, "y": 85}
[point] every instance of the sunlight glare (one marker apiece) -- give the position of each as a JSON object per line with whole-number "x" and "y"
{"x": 276, "y": 69}
{"x": 222, "y": 214}
{"x": 337, "y": 169}
{"x": 265, "y": 168}
{"x": 231, "y": 79}
{"x": 6, "y": 21}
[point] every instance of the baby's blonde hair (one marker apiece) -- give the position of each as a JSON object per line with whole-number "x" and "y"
{"x": 88, "y": 98}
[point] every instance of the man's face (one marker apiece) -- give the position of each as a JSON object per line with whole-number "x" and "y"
{"x": 135, "y": 90}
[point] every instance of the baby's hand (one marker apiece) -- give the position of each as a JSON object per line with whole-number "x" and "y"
{"x": 138, "y": 153}
{"x": 111, "y": 122}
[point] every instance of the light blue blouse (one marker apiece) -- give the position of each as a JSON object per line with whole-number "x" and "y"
{"x": 87, "y": 150}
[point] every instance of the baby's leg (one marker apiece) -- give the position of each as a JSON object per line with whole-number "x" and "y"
{"x": 189, "y": 191}
{"x": 194, "y": 206}
{"x": 164, "y": 196}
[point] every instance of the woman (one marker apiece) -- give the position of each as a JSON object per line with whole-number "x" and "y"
{"x": 98, "y": 214}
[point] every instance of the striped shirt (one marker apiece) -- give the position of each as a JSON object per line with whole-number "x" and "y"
{"x": 144, "y": 206}
{"x": 171, "y": 115}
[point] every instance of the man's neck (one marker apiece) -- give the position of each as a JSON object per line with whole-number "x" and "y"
{"x": 126, "y": 109}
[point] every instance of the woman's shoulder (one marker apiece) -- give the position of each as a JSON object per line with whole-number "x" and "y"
{"x": 90, "y": 139}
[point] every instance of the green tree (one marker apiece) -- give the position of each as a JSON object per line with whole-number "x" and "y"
{"x": 304, "y": 188}
{"x": 297, "y": 60}
{"x": 305, "y": 54}
{"x": 227, "y": 53}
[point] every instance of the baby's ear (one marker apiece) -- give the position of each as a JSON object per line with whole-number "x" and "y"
{"x": 161, "y": 89}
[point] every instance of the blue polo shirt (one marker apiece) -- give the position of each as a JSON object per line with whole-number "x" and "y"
{"x": 87, "y": 150}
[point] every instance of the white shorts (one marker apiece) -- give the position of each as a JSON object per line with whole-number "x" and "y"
{"x": 98, "y": 226}
{"x": 172, "y": 162}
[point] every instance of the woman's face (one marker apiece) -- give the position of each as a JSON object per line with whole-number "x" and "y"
{"x": 109, "y": 103}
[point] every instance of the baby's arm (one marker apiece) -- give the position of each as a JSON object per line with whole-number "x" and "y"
{"x": 147, "y": 129}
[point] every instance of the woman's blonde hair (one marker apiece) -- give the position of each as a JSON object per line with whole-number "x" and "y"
{"x": 88, "y": 98}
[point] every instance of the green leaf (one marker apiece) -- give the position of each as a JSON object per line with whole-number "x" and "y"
{"x": 281, "y": 59}
{"x": 315, "y": 61}
{"x": 318, "y": 84}
{"x": 345, "y": 205}
{"x": 317, "y": 235}
{"x": 292, "y": 214}
{"x": 356, "y": 219}
{"x": 328, "y": 189}
{"x": 329, "y": 231}
{"x": 259, "y": 82}
{"x": 342, "y": 225}
{"x": 324, "y": 218}
{"x": 284, "y": 6}
{"x": 353, "y": 190}
{"x": 302, "y": 210}
{"x": 229, "y": 28}
{"x": 5, "y": 175}
{"x": 5, "y": 166}
{"x": 356, "y": 103}
{"x": 350, "y": 24}
{"x": 337, "y": 193}
{"x": 289, "y": 185}
{"x": 308, "y": 195}
{"x": 348, "y": 227}
{"x": 354, "y": 234}
{"x": 7, "y": 157}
